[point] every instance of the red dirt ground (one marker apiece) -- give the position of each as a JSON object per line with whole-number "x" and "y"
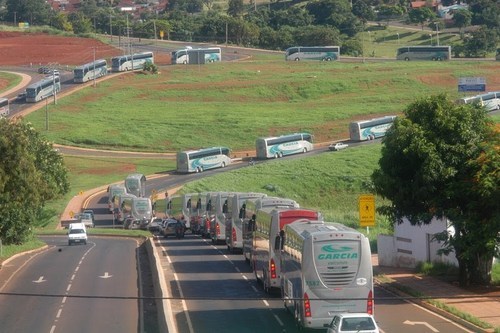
{"x": 24, "y": 49}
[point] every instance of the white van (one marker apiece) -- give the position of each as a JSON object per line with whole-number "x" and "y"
{"x": 77, "y": 233}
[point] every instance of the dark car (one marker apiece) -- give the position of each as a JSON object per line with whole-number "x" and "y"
{"x": 44, "y": 70}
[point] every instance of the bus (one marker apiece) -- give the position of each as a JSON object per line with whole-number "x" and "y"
{"x": 187, "y": 208}
{"x": 203, "y": 159}
{"x": 4, "y": 107}
{"x": 326, "y": 269}
{"x": 135, "y": 184}
{"x": 370, "y": 129}
{"x": 269, "y": 224}
{"x": 323, "y": 53}
{"x": 131, "y": 61}
{"x": 490, "y": 101}
{"x": 236, "y": 211}
{"x": 90, "y": 71}
{"x": 119, "y": 202}
{"x": 436, "y": 53}
{"x": 218, "y": 212}
{"x": 275, "y": 147}
{"x": 113, "y": 190}
{"x": 196, "y": 56}
{"x": 43, "y": 89}
{"x": 248, "y": 223}
{"x": 137, "y": 213}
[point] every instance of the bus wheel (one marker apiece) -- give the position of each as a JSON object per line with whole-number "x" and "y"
{"x": 277, "y": 155}
{"x": 265, "y": 284}
{"x": 407, "y": 59}
{"x": 223, "y": 164}
{"x": 434, "y": 58}
{"x": 304, "y": 150}
{"x": 297, "y": 59}
{"x": 328, "y": 59}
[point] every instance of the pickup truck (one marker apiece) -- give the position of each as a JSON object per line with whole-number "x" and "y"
{"x": 86, "y": 219}
{"x": 338, "y": 146}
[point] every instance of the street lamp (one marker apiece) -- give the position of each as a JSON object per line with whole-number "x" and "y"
{"x": 430, "y": 35}
{"x": 437, "y": 32}
{"x": 397, "y": 33}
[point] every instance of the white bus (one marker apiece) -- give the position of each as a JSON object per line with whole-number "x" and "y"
{"x": 43, "y": 89}
{"x": 218, "y": 212}
{"x": 203, "y": 159}
{"x": 90, "y": 71}
{"x": 137, "y": 213}
{"x": 187, "y": 207}
{"x": 131, "y": 61}
{"x": 275, "y": 147}
{"x": 370, "y": 129}
{"x": 236, "y": 212}
{"x": 323, "y": 53}
{"x": 119, "y": 202}
{"x": 113, "y": 190}
{"x": 196, "y": 56}
{"x": 436, "y": 53}
{"x": 135, "y": 184}
{"x": 327, "y": 269}
{"x": 4, "y": 107}
{"x": 250, "y": 215}
{"x": 269, "y": 223}
{"x": 490, "y": 101}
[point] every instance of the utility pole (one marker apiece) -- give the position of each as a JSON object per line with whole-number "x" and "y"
{"x": 110, "y": 28}
{"x": 15, "y": 19}
{"x": 95, "y": 84}
{"x": 437, "y": 32}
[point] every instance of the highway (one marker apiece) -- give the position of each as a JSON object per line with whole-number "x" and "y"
{"x": 79, "y": 288}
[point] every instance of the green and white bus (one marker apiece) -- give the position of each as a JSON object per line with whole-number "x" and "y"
{"x": 43, "y": 89}
{"x": 131, "y": 61}
{"x": 370, "y": 129}
{"x": 326, "y": 268}
{"x": 90, "y": 71}
{"x": 436, "y": 53}
{"x": 4, "y": 107}
{"x": 323, "y": 53}
{"x": 196, "y": 56}
{"x": 203, "y": 159}
{"x": 275, "y": 147}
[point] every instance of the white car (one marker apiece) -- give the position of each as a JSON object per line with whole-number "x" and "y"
{"x": 338, "y": 146}
{"x": 353, "y": 323}
{"x": 77, "y": 234}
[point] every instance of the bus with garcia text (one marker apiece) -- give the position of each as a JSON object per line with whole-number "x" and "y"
{"x": 279, "y": 146}
{"x": 326, "y": 269}
{"x": 90, "y": 71}
{"x": 370, "y": 129}
{"x": 129, "y": 62}
{"x": 197, "y": 56}
{"x": 436, "y": 53}
{"x": 203, "y": 159}
{"x": 269, "y": 225}
{"x": 4, "y": 107}
{"x": 322, "y": 53}
{"x": 43, "y": 89}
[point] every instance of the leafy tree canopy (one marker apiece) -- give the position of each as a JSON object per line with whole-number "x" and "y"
{"x": 31, "y": 172}
{"x": 441, "y": 160}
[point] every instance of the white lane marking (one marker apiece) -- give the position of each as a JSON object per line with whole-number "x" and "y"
{"x": 278, "y": 320}
{"x": 72, "y": 277}
{"x": 265, "y": 302}
{"x": 69, "y": 287}
{"x": 64, "y": 300}
{"x": 53, "y": 328}
{"x": 245, "y": 277}
{"x": 238, "y": 270}
{"x": 255, "y": 289}
{"x": 58, "y": 313}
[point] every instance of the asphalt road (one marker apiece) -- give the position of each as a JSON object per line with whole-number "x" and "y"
{"x": 78, "y": 288}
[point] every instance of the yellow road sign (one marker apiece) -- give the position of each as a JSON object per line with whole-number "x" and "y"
{"x": 367, "y": 210}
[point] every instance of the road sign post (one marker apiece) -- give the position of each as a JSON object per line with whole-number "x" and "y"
{"x": 367, "y": 211}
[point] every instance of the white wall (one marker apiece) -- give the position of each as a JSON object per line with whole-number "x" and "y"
{"x": 413, "y": 244}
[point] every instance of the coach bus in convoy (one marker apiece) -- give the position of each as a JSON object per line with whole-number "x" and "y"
{"x": 279, "y": 146}
{"x": 370, "y": 129}
{"x": 326, "y": 269}
{"x": 203, "y": 159}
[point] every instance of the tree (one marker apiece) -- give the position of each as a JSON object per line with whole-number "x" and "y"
{"x": 31, "y": 173}
{"x": 81, "y": 24}
{"x": 462, "y": 18}
{"x": 480, "y": 42}
{"x": 60, "y": 21}
{"x": 421, "y": 15}
{"x": 442, "y": 160}
{"x": 35, "y": 12}
{"x": 235, "y": 8}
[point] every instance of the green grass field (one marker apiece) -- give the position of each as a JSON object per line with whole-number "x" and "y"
{"x": 198, "y": 106}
